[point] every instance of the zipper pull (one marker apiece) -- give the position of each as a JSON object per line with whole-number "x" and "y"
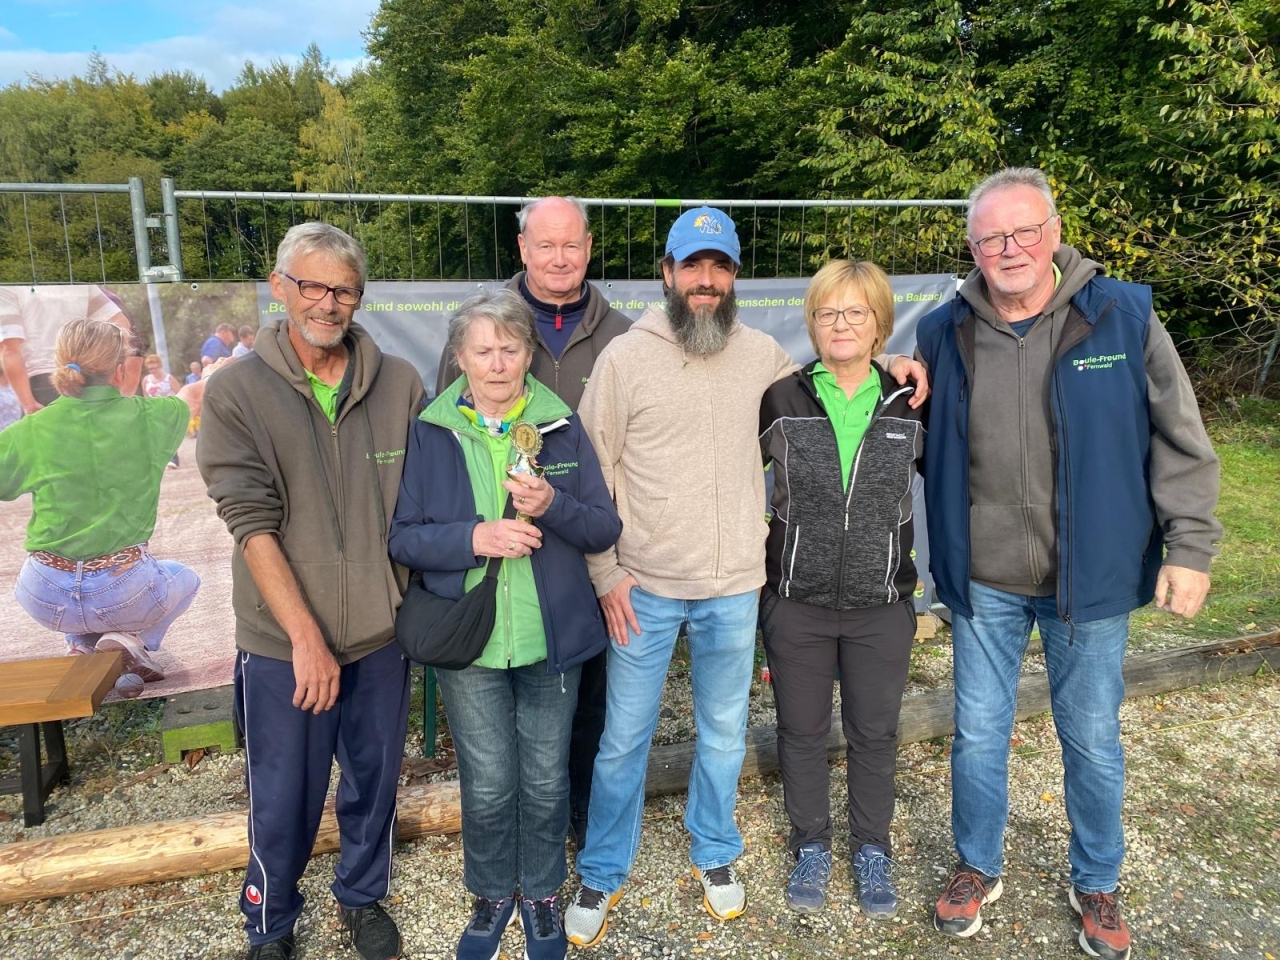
{"x": 559, "y": 321}
{"x": 846, "y": 522}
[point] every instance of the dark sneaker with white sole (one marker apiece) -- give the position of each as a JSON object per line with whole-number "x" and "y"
{"x": 1103, "y": 933}
{"x": 959, "y": 909}
{"x": 543, "y": 933}
{"x": 482, "y": 938}
{"x": 877, "y": 896}
{"x": 807, "y": 886}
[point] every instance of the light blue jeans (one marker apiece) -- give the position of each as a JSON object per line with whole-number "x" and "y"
{"x": 142, "y": 598}
{"x": 722, "y": 640}
{"x": 1086, "y": 687}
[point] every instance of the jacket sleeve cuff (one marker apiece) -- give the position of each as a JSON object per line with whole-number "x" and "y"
{"x": 605, "y": 575}
{"x": 1188, "y": 557}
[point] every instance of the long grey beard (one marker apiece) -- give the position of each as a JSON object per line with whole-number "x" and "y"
{"x": 699, "y": 332}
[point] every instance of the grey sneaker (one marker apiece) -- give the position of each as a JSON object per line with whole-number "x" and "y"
{"x": 137, "y": 659}
{"x": 723, "y": 894}
{"x": 807, "y": 885}
{"x": 877, "y": 896}
{"x": 586, "y": 920}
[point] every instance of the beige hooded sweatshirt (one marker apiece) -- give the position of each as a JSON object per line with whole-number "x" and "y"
{"x": 676, "y": 434}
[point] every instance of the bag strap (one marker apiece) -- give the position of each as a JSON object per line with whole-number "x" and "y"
{"x": 509, "y": 513}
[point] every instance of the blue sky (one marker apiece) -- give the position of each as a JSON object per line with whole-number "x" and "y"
{"x": 211, "y": 38}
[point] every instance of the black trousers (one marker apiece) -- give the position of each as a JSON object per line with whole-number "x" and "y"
{"x": 584, "y": 742}
{"x": 871, "y": 648}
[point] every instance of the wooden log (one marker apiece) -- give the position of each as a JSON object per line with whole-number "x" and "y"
{"x": 193, "y": 846}
{"x": 98, "y": 860}
{"x": 930, "y": 714}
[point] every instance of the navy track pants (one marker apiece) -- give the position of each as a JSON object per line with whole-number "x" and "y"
{"x": 288, "y": 758}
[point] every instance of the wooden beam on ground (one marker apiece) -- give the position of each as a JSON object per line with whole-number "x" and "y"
{"x": 929, "y": 715}
{"x": 100, "y": 859}
{"x": 193, "y": 846}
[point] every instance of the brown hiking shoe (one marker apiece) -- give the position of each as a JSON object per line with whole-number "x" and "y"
{"x": 1103, "y": 934}
{"x": 959, "y": 909}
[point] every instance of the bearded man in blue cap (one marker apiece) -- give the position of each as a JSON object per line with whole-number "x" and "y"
{"x": 672, "y": 409}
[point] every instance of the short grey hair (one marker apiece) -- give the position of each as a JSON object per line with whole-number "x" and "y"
{"x": 506, "y": 308}
{"x": 316, "y": 237}
{"x": 522, "y": 218}
{"x": 1012, "y": 177}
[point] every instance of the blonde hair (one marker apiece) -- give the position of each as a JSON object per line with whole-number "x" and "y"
{"x": 95, "y": 347}
{"x": 868, "y": 279}
{"x": 151, "y": 358}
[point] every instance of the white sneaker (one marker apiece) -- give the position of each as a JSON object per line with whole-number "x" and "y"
{"x": 723, "y": 894}
{"x": 136, "y": 657}
{"x": 586, "y": 920}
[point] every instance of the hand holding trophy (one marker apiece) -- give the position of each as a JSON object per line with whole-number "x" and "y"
{"x": 532, "y": 494}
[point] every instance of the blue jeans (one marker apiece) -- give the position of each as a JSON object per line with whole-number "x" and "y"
{"x": 722, "y": 641}
{"x": 142, "y": 598}
{"x": 1086, "y": 687}
{"x": 510, "y": 729}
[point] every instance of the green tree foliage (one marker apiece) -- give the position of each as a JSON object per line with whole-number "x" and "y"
{"x": 1155, "y": 120}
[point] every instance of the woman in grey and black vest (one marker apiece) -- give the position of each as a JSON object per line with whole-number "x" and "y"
{"x": 845, "y": 447}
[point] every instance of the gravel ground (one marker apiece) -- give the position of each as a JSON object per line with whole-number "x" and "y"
{"x": 1201, "y": 879}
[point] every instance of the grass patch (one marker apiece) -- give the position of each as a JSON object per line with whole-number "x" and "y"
{"x": 1245, "y": 595}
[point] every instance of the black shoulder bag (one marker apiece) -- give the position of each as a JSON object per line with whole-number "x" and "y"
{"x": 449, "y": 634}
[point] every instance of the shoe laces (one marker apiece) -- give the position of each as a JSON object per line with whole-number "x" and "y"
{"x": 546, "y": 918}
{"x": 813, "y": 870}
{"x": 589, "y": 898}
{"x": 964, "y": 885}
{"x": 485, "y": 914}
{"x": 876, "y": 871}
{"x": 720, "y": 876}
{"x": 366, "y": 917}
{"x": 1104, "y": 909}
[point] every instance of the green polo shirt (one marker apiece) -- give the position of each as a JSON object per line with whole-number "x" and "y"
{"x": 93, "y": 466}
{"x": 518, "y": 637}
{"x": 326, "y": 396}
{"x": 849, "y": 415}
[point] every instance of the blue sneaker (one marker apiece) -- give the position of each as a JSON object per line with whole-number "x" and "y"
{"x": 482, "y": 939}
{"x": 807, "y": 885}
{"x": 877, "y": 896}
{"x": 543, "y": 933}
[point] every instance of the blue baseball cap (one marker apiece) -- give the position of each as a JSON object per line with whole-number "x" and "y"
{"x": 704, "y": 228}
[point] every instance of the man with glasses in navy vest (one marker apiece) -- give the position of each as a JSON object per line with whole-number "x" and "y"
{"x": 1069, "y": 480}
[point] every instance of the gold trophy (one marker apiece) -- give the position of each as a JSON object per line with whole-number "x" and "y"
{"x": 527, "y": 440}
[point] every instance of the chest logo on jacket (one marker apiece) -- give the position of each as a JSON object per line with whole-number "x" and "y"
{"x": 1102, "y": 362}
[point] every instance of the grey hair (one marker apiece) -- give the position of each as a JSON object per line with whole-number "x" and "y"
{"x": 506, "y": 308}
{"x": 522, "y": 218}
{"x": 1012, "y": 177}
{"x": 316, "y": 237}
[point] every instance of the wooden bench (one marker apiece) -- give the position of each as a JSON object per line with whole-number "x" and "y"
{"x": 38, "y": 695}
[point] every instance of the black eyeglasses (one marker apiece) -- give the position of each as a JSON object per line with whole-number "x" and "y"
{"x": 315, "y": 290}
{"x": 854, "y": 316}
{"x": 997, "y": 243}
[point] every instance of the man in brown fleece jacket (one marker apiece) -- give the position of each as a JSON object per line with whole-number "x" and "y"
{"x": 302, "y": 444}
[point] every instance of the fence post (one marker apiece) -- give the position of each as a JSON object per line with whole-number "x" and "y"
{"x": 141, "y": 242}
{"x": 172, "y": 235}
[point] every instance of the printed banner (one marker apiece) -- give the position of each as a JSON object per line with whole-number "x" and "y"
{"x": 183, "y": 326}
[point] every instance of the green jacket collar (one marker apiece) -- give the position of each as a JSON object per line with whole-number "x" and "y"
{"x": 544, "y": 406}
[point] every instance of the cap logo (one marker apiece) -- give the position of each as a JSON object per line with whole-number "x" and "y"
{"x": 708, "y": 224}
